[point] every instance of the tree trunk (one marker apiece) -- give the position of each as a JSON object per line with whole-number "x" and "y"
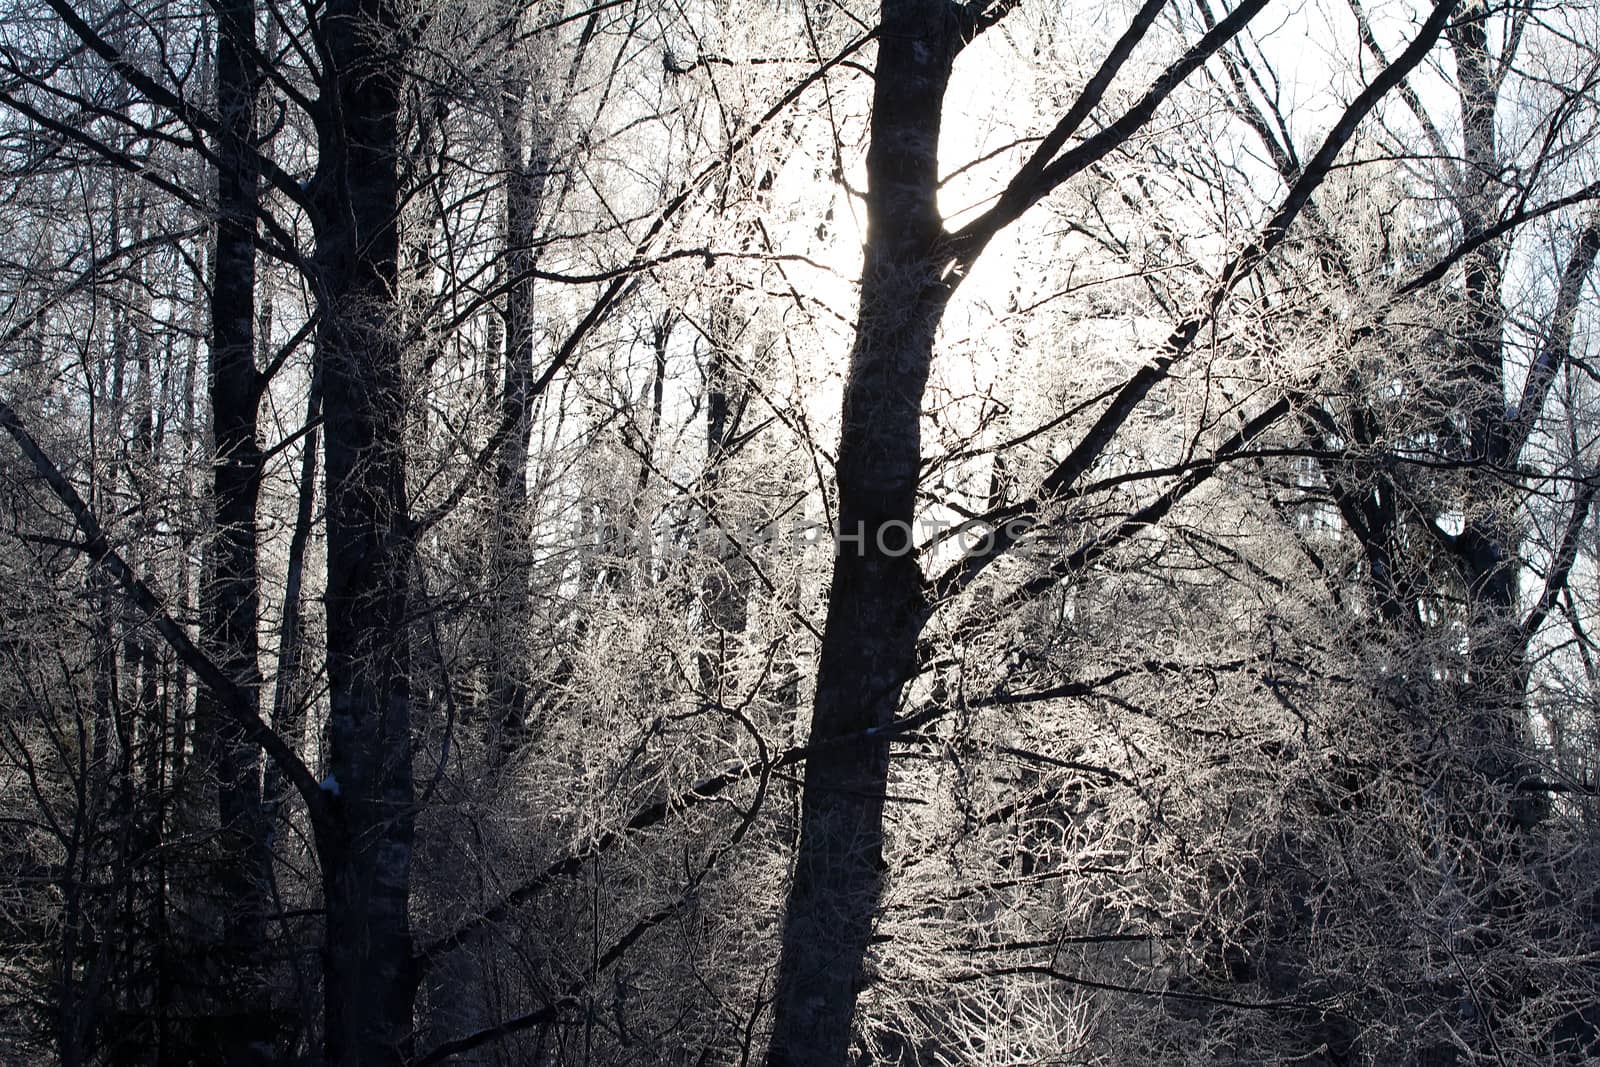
{"x": 725, "y": 586}
{"x": 1488, "y": 549}
{"x": 366, "y": 847}
{"x": 876, "y": 606}
{"x": 231, "y": 588}
{"x": 510, "y": 560}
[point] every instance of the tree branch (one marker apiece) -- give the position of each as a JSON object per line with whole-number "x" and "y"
{"x": 1565, "y": 555}
{"x": 1042, "y": 174}
{"x": 100, "y": 552}
{"x": 1556, "y": 349}
{"x": 1066, "y": 474}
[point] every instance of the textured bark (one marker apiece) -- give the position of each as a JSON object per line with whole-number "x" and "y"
{"x": 876, "y": 607}
{"x": 366, "y": 846}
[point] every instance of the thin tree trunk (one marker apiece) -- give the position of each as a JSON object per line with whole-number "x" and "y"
{"x": 230, "y": 591}
{"x": 724, "y": 588}
{"x": 288, "y": 715}
{"x": 509, "y": 561}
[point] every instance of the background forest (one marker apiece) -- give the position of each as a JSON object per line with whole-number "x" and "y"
{"x": 740, "y": 531}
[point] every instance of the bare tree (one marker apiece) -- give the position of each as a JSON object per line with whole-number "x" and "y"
{"x": 1164, "y": 495}
{"x": 879, "y": 603}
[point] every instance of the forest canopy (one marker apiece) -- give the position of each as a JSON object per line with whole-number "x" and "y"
{"x": 928, "y": 533}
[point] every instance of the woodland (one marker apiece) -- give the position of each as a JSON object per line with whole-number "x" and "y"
{"x": 799, "y": 532}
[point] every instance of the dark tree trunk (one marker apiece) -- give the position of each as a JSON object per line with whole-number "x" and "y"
{"x": 1497, "y": 820}
{"x": 725, "y": 587}
{"x": 288, "y": 712}
{"x": 366, "y": 845}
{"x": 1487, "y": 549}
{"x": 230, "y": 589}
{"x": 510, "y": 562}
{"x": 876, "y": 606}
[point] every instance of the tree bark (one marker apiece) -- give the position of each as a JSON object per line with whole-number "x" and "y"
{"x": 876, "y": 606}
{"x": 366, "y": 847}
{"x": 230, "y": 590}
{"x": 510, "y": 562}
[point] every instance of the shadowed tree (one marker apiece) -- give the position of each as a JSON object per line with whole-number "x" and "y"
{"x": 878, "y": 600}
